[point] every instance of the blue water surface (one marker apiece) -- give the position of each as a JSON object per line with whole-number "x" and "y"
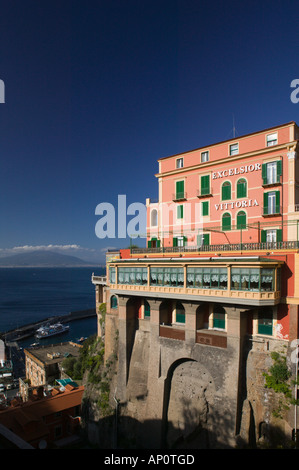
{"x": 29, "y": 295}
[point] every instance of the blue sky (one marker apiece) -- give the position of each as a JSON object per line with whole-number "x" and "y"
{"x": 97, "y": 91}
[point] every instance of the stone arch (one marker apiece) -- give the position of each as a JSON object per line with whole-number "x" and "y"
{"x": 188, "y": 395}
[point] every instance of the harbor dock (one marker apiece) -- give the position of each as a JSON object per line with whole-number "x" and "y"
{"x": 26, "y": 331}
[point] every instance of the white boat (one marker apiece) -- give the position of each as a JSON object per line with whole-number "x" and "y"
{"x": 51, "y": 330}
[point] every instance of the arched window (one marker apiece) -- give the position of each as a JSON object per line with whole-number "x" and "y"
{"x": 154, "y": 218}
{"x": 226, "y": 191}
{"x": 219, "y": 317}
{"x": 147, "y": 309}
{"x": 180, "y": 313}
{"x": 226, "y": 222}
{"x": 113, "y": 301}
{"x": 241, "y": 220}
{"x": 241, "y": 188}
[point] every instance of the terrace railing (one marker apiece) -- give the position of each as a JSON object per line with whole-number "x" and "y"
{"x": 268, "y": 246}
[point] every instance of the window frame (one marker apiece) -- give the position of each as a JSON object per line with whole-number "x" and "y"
{"x": 180, "y": 162}
{"x": 204, "y": 154}
{"x": 234, "y": 149}
{"x": 241, "y": 188}
{"x": 226, "y": 187}
{"x": 269, "y": 141}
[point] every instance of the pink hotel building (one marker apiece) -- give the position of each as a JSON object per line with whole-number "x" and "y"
{"x": 215, "y": 290}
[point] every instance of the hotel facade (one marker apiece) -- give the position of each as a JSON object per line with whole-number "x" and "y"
{"x": 215, "y": 291}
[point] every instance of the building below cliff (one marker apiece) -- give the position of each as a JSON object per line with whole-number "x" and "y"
{"x": 201, "y": 310}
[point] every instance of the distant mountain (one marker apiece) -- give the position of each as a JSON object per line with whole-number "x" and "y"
{"x": 43, "y": 259}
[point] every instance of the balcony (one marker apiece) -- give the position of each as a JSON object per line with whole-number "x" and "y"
{"x": 269, "y": 184}
{"x": 100, "y": 280}
{"x": 179, "y": 196}
{"x": 204, "y": 192}
{"x": 272, "y": 211}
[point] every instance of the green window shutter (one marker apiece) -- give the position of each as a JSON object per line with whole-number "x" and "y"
{"x": 241, "y": 188}
{"x": 265, "y": 203}
{"x": 149, "y": 244}
{"x": 175, "y": 242}
{"x": 180, "y": 189}
{"x": 277, "y": 202}
{"x": 241, "y": 220}
{"x": 205, "y": 208}
{"x": 206, "y": 238}
{"x": 180, "y": 212}
{"x": 279, "y": 235}
{"x": 147, "y": 309}
{"x": 263, "y": 236}
{"x": 158, "y": 243}
{"x": 264, "y": 173}
{"x": 226, "y": 191}
{"x": 226, "y": 222}
{"x": 265, "y": 323}
{"x": 205, "y": 185}
{"x": 185, "y": 241}
{"x": 180, "y": 318}
{"x": 279, "y": 170}
{"x": 219, "y": 320}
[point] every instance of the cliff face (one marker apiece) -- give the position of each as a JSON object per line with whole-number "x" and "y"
{"x": 166, "y": 393}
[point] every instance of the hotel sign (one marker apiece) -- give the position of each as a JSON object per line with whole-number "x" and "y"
{"x": 231, "y": 172}
{"x": 236, "y": 204}
{"x": 236, "y": 171}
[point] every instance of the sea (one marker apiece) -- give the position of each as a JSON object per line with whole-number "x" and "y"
{"x": 28, "y": 295}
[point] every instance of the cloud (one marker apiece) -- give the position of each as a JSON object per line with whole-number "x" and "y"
{"x": 44, "y": 247}
{"x": 27, "y": 248}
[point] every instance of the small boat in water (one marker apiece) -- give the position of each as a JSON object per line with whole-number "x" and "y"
{"x": 51, "y": 330}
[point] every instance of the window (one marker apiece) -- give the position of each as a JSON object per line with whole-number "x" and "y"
{"x": 271, "y": 172}
{"x": 153, "y": 243}
{"x": 154, "y": 218}
{"x": 253, "y": 279}
{"x": 132, "y": 275}
{"x": 205, "y": 208}
{"x": 203, "y": 239}
{"x": 179, "y": 313}
{"x": 180, "y": 189}
{"x": 113, "y": 301}
{"x": 271, "y": 139}
{"x": 241, "y": 220}
{"x": 180, "y": 163}
{"x": 112, "y": 275}
{"x": 168, "y": 276}
{"x": 265, "y": 322}
{"x": 241, "y": 188}
{"x": 180, "y": 212}
{"x": 179, "y": 241}
{"x": 219, "y": 318}
{"x": 226, "y": 222}
{"x": 207, "y": 278}
{"x": 234, "y": 149}
{"x": 204, "y": 157}
{"x": 205, "y": 185}
{"x": 271, "y": 235}
{"x": 147, "y": 309}
{"x": 272, "y": 203}
{"x": 226, "y": 191}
